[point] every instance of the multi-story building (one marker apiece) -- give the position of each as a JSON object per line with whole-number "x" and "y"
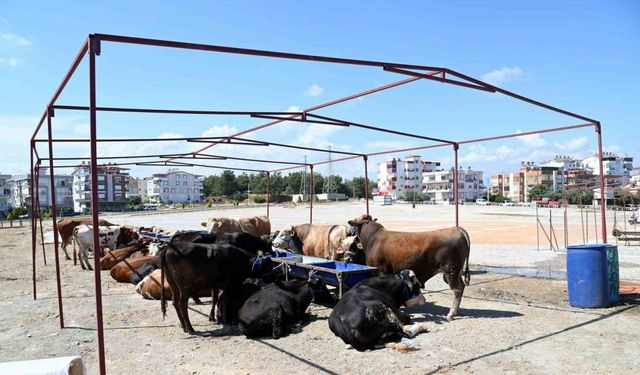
{"x": 438, "y": 185}
{"x": 5, "y": 193}
{"x": 112, "y": 187}
{"x": 175, "y": 186}
{"x": 397, "y": 176}
{"x": 20, "y": 186}
{"x": 516, "y": 185}
{"x": 615, "y": 166}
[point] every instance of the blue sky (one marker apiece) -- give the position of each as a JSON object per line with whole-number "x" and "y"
{"x": 579, "y": 55}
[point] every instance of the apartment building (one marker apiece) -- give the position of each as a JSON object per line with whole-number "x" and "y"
{"x": 20, "y": 187}
{"x": 137, "y": 187}
{"x": 439, "y": 184}
{"x": 615, "y": 166}
{"x": 175, "y": 186}
{"x": 516, "y": 185}
{"x": 398, "y": 176}
{"x": 5, "y": 193}
{"x": 112, "y": 187}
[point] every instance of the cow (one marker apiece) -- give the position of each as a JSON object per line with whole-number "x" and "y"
{"x": 322, "y": 241}
{"x": 122, "y": 271}
{"x": 368, "y": 314}
{"x": 194, "y": 261}
{"x": 426, "y": 253}
{"x": 142, "y": 272}
{"x": 150, "y": 288}
{"x": 83, "y": 236}
{"x": 255, "y": 225}
{"x": 67, "y": 225}
{"x": 275, "y": 308}
{"x": 113, "y": 257}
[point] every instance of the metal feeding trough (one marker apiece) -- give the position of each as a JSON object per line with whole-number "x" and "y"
{"x": 335, "y": 273}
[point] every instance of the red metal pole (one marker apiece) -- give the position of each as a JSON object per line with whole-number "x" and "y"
{"x": 268, "y": 191}
{"x": 455, "y": 182}
{"x": 94, "y": 48}
{"x": 366, "y": 182}
{"x": 52, "y": 180}
{"x": 312, "y": 191}
{"x": 33, "y": 225}
{"x": 603, "y": 197}
{"x": 39, "y": 210}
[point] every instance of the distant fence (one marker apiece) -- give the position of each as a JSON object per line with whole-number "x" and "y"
{"x": 14, "y": 223}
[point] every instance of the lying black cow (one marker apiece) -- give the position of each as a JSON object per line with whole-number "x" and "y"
{"x": 275, "y": 309}
{"x": 368, "y": 314}
{"x": 195, "y": 261}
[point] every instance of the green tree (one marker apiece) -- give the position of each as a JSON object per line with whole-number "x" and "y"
{"x": 415, "y": 196}
{"x": 538, "y": 191}
{"x": 356, "y": 186}
{"x": 135, "y": 200}
{"x": 227, "y": 184}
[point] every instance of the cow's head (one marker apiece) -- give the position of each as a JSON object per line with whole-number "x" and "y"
{"x": 413, "y": 295}
{"x": 361, "y": 220}
{"x": 285, "y": 239}
{"x": 352, "y": 251}
{"x": 213, "y": 225}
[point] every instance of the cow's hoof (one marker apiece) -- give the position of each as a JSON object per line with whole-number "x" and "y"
{"x": 451, "y": 317}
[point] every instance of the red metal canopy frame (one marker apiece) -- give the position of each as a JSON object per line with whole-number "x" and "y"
{"x": 92, "y": 47}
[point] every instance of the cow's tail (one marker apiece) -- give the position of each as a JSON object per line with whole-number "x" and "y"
{"x": 163, "y": 300}
{"x": 467, "y": 274}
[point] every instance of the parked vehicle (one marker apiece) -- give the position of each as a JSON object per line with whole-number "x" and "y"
{"x": 482, "y": 202}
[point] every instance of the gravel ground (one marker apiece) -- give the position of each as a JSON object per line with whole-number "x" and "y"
{"x": 508, "y": 324}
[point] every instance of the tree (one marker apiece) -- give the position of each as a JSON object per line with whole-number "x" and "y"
{"x": 415, "y": 196}
{"x": 356, "y": 186}
{"x": 135, "y": 200}
{"x": 227, "y": 184}
{"x": 538, "y": 191}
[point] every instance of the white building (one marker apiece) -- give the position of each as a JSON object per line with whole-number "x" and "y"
{"x": 397, "y": 176}
{"x": 112, "y": 187}
{"x": 438, "y": 185}
{"x": 20, "y": 186}
{"x": 614, "y": 165}
{"x": 567, "y": 163}
{"x": 137, "y": 187}
{"x": 5, "y": 193}
{"x": 175, "y": 186}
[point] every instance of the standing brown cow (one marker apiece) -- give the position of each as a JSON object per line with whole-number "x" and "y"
{"x": 255, "y": 225}
{"x": 67, "y": 225}
{"x": 425, "y": 253}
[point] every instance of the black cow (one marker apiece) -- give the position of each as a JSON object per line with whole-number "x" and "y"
{"x": 368, "y": 314}
{"x": 194, "y": 261}
{"x": 142, "y": 272}
{"x": 275, "y": 308}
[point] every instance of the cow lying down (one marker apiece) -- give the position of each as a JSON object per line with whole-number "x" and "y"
{"x": 368, "y": 315}
{"x": 275, "y": 309}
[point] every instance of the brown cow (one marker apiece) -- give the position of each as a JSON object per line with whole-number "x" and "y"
{"x": 150, "y": 288}
{"x": 67, "y": 225}
{"x": 122, "y": 271}
{"x": 255, "y": 225}
{"x": 113, "y": 257}
{"x": 323, "y": 241}
{"x": 425, "y": 253}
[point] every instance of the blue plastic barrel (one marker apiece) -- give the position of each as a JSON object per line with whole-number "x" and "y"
{"x": 587, "y": 276}
{"x": 613, "y": 274}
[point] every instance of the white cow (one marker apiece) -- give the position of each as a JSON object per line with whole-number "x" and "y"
{"x": 83, "y": 236}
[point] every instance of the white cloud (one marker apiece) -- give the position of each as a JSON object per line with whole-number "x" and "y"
{"x": 220, "y": 131}
{"x": 12, "y": 61}
{"x": 572, "y": 144}
{"x": 13, "y": 40}
{"x": 314, "y": 90}
{"x": 503, "y": 75}
{"x": 532, "y": 140}
{"x": 480, "y": 153}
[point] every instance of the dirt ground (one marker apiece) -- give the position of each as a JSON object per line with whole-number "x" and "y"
{"x": 508, "y": 324}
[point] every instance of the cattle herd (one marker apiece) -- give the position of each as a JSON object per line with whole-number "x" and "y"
{"x": 231, "y": 261}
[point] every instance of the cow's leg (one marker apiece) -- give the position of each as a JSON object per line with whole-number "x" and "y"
{"x": 74, "y": 253}
{"x": 175, "y": 300}
{"x": 86, "y": 258}
{"x": 214, "y": 302}
{"x": 184, "y": 303}
{"x": 64, "y": 248}
{"x": 457, "y": 286}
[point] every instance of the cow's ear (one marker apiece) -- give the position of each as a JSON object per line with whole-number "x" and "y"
{"x": 353, "y": 223}
{"x": 203, "y": 223}
{"x": 376, "y": 219}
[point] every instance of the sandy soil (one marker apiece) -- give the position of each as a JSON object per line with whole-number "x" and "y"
{"x": 509, "y": 324}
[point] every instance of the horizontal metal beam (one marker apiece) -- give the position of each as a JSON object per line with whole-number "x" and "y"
{"x": 177, "y": 111}
{"x": 439, "y": 79}
{"x": 253, "y": 52}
